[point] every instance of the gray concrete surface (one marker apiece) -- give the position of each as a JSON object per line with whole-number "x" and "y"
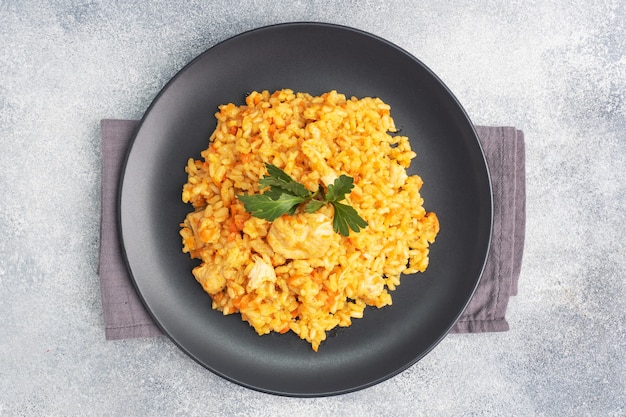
{"x": 556, "y": 70}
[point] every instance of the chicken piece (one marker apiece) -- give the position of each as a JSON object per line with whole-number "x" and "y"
{"x": 397, "y": 175}
{"x": 261, "y": 272}
{"x": 301, "y": 236}
{"x": 210, "y": 277}
{"x": 317, "y": 152}
{"x": 192, "y": 223}
{"x": 371, "y": 286}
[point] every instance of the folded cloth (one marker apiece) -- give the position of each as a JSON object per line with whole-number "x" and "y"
{"x": 124, "y": 313}
{"x": 126, "y": 317}
{"x": 505, "y": 154}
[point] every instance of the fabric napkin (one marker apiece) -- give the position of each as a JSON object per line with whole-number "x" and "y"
{"x": 126, "y": 317}
{"x": 124, "y": 313}
{"x": 505, "y": 154}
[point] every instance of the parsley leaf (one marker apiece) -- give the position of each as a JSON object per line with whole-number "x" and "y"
{"x": 313, "y": 205}
{"x": 346, "y": 218}
{"x": 339, "y": 188}
{"x": 285, "y": 195}
{"x": 268, "y": 208}
{"x": 279, "y": 179}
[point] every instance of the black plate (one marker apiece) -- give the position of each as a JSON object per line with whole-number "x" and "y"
{"x": 313, "y": 58}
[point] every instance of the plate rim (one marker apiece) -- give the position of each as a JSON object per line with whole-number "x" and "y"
{"x": 179, "y": 73}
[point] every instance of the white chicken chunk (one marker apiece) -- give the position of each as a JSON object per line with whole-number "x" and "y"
{"x": 210, "y": 277}
{"x": 261, "y": 272}
{"x": 317, "y": 151}
{"x": 371, "y": 286}
{"x": 301, "y": 236}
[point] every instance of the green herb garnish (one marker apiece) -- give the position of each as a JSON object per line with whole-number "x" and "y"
{"x": 285, "y": 195}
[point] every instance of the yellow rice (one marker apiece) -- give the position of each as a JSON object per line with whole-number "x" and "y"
{"x": 313, "y": 139}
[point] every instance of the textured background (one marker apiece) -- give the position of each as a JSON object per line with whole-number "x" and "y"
{"x": 556, "y": 71}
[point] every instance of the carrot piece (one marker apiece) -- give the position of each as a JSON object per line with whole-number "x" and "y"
{"x": 245, "y": 157}
{"x": 330, "y": 300}
{"x": 232, "y": 226}
{"x": 242, "y": 301}
{"x": 240, "y": 220}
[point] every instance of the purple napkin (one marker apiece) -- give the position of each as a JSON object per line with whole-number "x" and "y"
{"x": 126, "y": 317}
{"x": 505, "y": 154}
{"x": 124, "y": 314}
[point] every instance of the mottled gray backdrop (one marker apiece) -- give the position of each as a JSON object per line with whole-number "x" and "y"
{"x": 556, "y": 70}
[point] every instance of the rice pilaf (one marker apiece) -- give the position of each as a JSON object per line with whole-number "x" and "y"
{"x": 296, "y": 273}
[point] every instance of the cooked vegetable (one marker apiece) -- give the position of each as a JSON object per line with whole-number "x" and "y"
{"x": 285, "y": 195}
